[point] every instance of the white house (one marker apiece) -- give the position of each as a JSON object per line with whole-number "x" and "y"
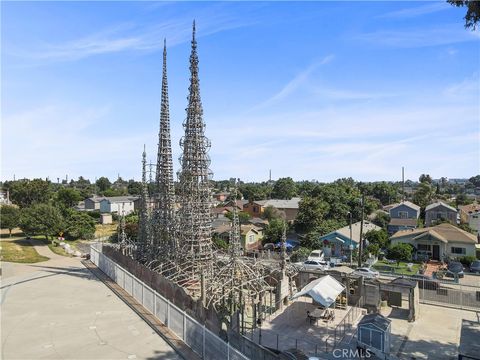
{"x": 118, "y": 204}
{"x": 439, "y": 242}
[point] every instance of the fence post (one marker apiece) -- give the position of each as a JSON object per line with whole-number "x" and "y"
{"x": 203, "y": 343}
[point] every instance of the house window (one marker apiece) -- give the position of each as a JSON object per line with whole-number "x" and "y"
{"x": 255, "y": 209}
{"x": 459, "y": 250}
{"x": 441, "y": 215}
{"x": 251, "y": 239}
{"x": 423, "y": 247}
{"x": 403, "y": 214}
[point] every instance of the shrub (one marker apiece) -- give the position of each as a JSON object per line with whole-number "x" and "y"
{"x": 301, "y": 254}
{"x": 467, "y": 260}
{"x": 402, "y": 252}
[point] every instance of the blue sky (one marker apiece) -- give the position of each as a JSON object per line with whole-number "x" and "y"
{"x": 310, "y": 90}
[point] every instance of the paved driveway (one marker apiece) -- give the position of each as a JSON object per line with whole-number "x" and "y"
{"x": 58, "y": 310}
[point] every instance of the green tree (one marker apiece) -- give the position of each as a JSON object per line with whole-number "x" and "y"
{"x": 103, "y": 184}
{"x": 381, "y": 219}
{"x": 425, "y": 178}
{"x": 400, "y": 252}
{"x": 475, "y": 180}
{"x": 373, "y": 249}
{"x": 28, "y": 192}
{"x": 243, "y": 217}
{"x": 423, "y": 194}
{"x": 284, "y": 188}
{"x": 329, "y": 225}
{"x": 41, "y": 219}
{"x": 271, "y": 212}
{"x": 79, "y": 225}
{"x": 472, "y": 17}
{"x": 68, "y": 197}
{"x": 378, "y": 237}
{"x": 462, "y": 199}
{"x": 310, "y": 214}
{"x": 9, "y": 217}
{"x": 274, "y": 231}
{"x": 134, "y": 187}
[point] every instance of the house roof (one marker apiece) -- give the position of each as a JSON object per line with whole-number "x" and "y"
{"x": 114, "y": 199}
{"x": 280, "y": 204}
{"x": 257, "y": 220}
{"x": 345, "y": 231}
{"x": 406, "y": 203}
{"x": 439, "y": 203}
{"x": 468, "y": 209}
{"x": 403, "y": 222}
{"x": 246, "y": 228}
{"x": 448, "y": 232}
{"x": 377, "y": 320}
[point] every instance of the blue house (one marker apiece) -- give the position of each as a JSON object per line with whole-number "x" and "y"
{"x": 337, "y": 243}
{"x": 403, "y": 216}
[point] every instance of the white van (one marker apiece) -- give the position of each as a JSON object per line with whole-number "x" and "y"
{"x": 316, "y": 255}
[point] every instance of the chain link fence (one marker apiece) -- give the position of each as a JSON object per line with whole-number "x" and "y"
{"x": 201, "y": 340}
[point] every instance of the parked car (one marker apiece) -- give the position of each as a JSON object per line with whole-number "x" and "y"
{"x": 426, "y": 282}
{"x": 455, "y": 268}
{"x": 269, "y": 246}
{"x": 315, "y": 265}
{"x": 475, "y": 267}
{"x": 316, "y": 255}
{"x": 367, "y": 273}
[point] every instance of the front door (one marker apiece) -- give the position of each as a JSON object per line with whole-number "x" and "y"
{"x": 436, "y": 252}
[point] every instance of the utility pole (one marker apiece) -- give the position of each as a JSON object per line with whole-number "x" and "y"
{"x": 360, "y": 247}
{"x": 351, "y": 243}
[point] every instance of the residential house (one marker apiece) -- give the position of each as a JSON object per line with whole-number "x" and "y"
{"x": 93, "y": 203}
{"x": 5, "y": 198}
{"x": 221, "y": 196}
{"x": 470, "y": 214}
{"x": 338, "y": 242}
{"x": 119, "y": 204}
{"x": 403, "y": 216}
{"x": 289, "y": 207}
{"x": 438, "y": 242}
{"x": 250, "y": 235}
{"x": 440, "y": 211}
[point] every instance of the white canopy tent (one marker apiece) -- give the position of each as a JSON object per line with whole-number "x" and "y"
{"x": 324, "y": 290}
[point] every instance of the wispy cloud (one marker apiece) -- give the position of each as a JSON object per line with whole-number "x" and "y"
{"x": 415, "y": 11}
{"x": 294, "y": 84}
{"x": 419, "y": 37}
{"x": 135, "y": 37}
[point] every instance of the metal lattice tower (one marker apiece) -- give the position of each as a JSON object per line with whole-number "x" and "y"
{"x": 144, "y": 221}
{"x": 194, "y": 216}
{"x": 235, "y": 246}
{"x": 164, "y": 234}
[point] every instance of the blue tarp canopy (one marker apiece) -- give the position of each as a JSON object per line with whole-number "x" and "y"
{"x": 289, "y": 244}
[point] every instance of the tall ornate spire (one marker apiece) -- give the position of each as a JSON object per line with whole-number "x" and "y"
{"x": 235, "y": 245}
{"x": 165, "y": 198}
{"x": 143, "y": 228}
{"x": 195, "y": 201}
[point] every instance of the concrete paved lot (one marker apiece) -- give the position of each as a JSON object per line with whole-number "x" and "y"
{"x": 58, "y": 310}
{"x": 435, "y": 335}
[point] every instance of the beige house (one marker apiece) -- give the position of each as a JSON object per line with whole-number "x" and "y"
{"x": 438, "y": 242}
{"x": 289, "y": 207}
{"x": 250, "y": 235}
{"x": 470, "y": 214}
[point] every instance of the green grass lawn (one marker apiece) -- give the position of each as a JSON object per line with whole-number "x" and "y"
{"x": 401, "y": 269}
{"x": 20, "y": 251}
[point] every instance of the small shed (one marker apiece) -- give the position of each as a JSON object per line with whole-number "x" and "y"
{"x": 373, "y": 333}
{"x": 105, "y": 219}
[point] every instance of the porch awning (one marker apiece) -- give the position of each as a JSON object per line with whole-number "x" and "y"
{"x": 324, "y": 290}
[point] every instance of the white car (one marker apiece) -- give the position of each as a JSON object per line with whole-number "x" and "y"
{"x": 367, "y": 273}
{"x": 315, "y": 265}
{"x": 316, "y": 255}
